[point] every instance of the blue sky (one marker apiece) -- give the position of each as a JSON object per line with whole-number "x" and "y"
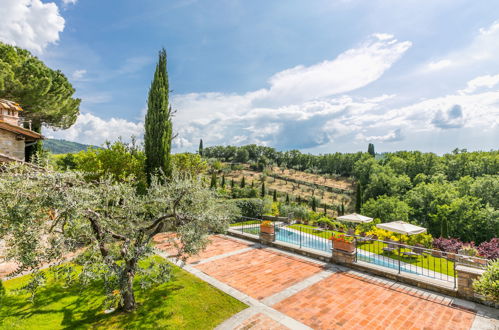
{"x": 320, "y": 76}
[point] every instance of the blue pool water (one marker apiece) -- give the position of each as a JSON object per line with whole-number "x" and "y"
{"x": 311, "y": 242}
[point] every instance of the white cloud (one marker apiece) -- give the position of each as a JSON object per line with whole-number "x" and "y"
{"x": 483, "y": 48}
{"x": 78, "y": 74}
{"x": 90, "y": 129}
{"x": 30, "y": 24}
{"x": 68, "y": 2}
{"x": 487, "y": 81}
{"x": 353, "y": 69}
{"x": 392, "y": 136}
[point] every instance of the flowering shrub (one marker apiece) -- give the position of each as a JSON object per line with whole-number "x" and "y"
{"x": 490, "y": 250}
{"x": 447, "y": 244}
{"x": 488, "y": 284}
{"x": 423, "y": 239}
{"x": 266, "y": 224}
{"x": 342, "y": 238}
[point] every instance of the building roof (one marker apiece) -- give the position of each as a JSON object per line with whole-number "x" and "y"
{"x": 9, "y": 105}
{"x": 20, "y": 130}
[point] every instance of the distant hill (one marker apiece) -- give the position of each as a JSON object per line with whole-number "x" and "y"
{"x": 64, "y": 147}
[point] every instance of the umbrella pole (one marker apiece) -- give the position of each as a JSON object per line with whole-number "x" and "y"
{"x": 400, "y": 256}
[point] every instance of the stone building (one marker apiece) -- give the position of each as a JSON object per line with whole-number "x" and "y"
{"x": 14, "y": 137}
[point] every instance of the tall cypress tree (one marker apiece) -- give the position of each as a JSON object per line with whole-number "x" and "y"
{"x": 200, "y": 150}
{"x": 262, "y": 193}
{"x": 223, "y": 181}
{"x": 370, "y": 149}
{"x": 358, "y": 198}
{"x": 287, "y": 198}
{"x": 243, "y": 182}
{"x": 213, "y": 183}
{"x": 275, "y": 196}
{"x": 158, "y": 123}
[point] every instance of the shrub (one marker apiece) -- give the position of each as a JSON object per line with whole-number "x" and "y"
{"x": 488, "y": 284}
{"x": 447, "y": 244}
{"x": 294, "y": 211}
{"x": 490, "y": 250}
{"x": 423, "y": 239}
{"x": 246, "y": 192}
{"x": 253, "y": 207}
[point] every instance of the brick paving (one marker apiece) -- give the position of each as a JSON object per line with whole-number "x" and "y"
{"x": 260, "y": 321}
{"x": 312, "y": 298}
{"x": 219, "y": 245}
{"x": 260, "y": 273}
{"x": 346, "y": 301}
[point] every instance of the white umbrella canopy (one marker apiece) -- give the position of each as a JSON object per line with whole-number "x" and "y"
{"x": 354, "y": 217}
{"x": 402, "y": 227}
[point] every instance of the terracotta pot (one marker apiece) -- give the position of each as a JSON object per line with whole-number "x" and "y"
{"x": 343, "y": 246}
{"x": 267, "y": 229}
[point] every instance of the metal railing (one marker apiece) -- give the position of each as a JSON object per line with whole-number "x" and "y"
{"x": 402, "y": 258}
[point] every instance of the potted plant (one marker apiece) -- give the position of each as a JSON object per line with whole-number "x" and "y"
{"x": 343, "y": 242}
{"x": 267, "y": 227}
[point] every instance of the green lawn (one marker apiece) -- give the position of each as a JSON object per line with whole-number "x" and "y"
{"x": 185, "y": 302}
{"x": 249, "y": 222}
{"x": 440, "y": 265}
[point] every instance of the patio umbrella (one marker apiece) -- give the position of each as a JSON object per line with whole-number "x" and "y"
{"x": 356, "y": 218}
{"x": 402, "y": 227}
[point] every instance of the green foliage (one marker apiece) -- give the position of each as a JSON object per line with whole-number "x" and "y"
{"x": 262, "y": 192}
{"x": 488, "y": 284}
{"x": 358, "y": 198}
{"x": 213, "y": 182}
{"x": 370, "y": 150}
{"x": 274, "y": 197}
{"x": 45, "y": 95}
{"x": 294, "y": 211}
{"x": 386, "y": 208}
{"x": 254, "y": 207}
{"x": 243, "y": 182}
{"x": 189, "y": 164}
{"x": 44, "y": 215}
{"x": 158, "y": 124}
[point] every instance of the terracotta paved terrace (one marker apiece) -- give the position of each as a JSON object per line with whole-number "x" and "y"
{"x": 285, "y": 291}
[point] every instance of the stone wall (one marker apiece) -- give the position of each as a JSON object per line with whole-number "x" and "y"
{"x": 10, "y": 146}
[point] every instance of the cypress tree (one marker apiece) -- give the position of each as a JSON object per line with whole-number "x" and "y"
{"x": 223, "y": 181}
{"x": 313, "y": 203}
{"x": 342, "y": 208}
{"x": 287, "y": 198}
{"x": 200, "y": 150}
{"x": 325, "y": 209}
{"x": 243, "y": 182}
{"x": 158, "y": 124}
{"x": 262, "y": 194}
{"x": 370, "y": 149}
{"x": 252, "y": 184}
{"x": 232, "y": 184}
{"x": 299, "y": 199}
{"x": 358, "y": 198}
{"x": 275, "y": 195}
{"x": 213, "y": 183}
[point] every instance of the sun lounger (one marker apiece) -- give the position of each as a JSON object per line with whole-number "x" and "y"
{"x": 390, "y": 248}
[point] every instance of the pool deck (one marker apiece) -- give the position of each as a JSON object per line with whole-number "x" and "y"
{"x": 288, "y": 291}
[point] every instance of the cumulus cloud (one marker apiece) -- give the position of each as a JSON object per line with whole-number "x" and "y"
{"x": 30, "y": 24}
{"x": 392, "y": 136}
{"x": 483, "y": 48}
{"x": 91, "y": 129}
{"x": 353, "y": 69}
{"x": 487, "y": 81}
{"x": 450, "y": 118}
{"x": 69, "y": 2}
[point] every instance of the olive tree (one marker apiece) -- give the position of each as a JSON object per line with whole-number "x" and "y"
{"x": 45, "y": 215}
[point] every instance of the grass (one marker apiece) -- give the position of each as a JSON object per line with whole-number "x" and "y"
{"x": 185, "y": 302}
{"x": 440, "y": 265}
{"x": 249, "y": 222}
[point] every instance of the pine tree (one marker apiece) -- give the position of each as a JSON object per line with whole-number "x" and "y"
{"x": 370, "y": 149}
{"x": 200, "y": 150}
{"x": 243, "y": 182}
{"x": 262, "y": 194}
{"x": 287, "y": 198}
{"x": 358, "y": 198}
{"x": 223, "y": 181}
{"x": 275, "y": 195}
{"x": 213, "y": 183}
{"x": 158, "y": 124}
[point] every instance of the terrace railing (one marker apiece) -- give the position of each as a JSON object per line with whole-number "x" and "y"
{"x": 402, "y": 258}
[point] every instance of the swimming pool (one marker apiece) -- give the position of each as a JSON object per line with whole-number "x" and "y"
{"x": 310, "y": 241}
